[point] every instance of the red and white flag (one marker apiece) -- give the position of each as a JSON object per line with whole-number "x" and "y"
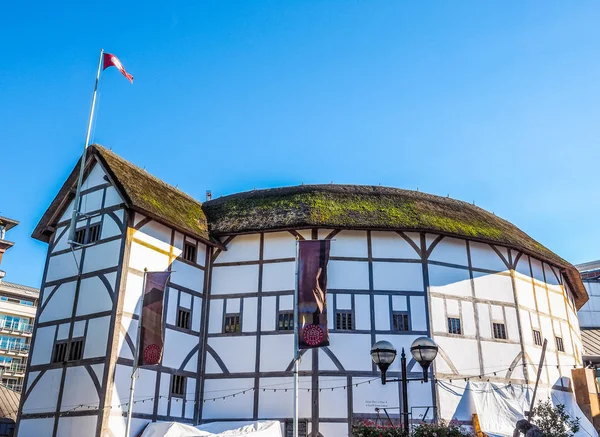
{"x": 113, "y": 61}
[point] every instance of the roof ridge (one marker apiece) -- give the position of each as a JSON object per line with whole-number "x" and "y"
{"x": 14, "y": 284}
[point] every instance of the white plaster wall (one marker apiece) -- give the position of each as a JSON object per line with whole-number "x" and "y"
{"x": 177, "y": 346}
{"x": 154, "y": 233}
{"x": 267, "y": 320}
{"x": 144, "y": 389}
{"x": 392, "y": 245}
{"x": 241, "y": 248}
{"x": 333, "y": 403}
{"x": 101, "y": 256}
{"x": 483, "y": 256}
{"x": 133, "y": 293}
{"x": 382, "y": 312}
{"x": 141, "y": 257}
{"x": 77, "y": 426}
{"x": 438, "y": 315}
{"x": 215, "y": 321}
{"x": 333, "y": 429}
{"x": 418, "y": 315}
{"x": 450, "y": 250}
{"x": 279, "y": 276}
{"x": 284, "y": 345}
{"x": 44, "y": 342}
{"x": 236, "y": 352}
{"x": 63, "y": 266}
{"x": 112, "y": 197}
{"x": 187, "y": 276}
{"x": 60, "y": 305}
{"x": 234, "y": 279}
{"x": 348, "y": 275}
{"x": 94, "y": 297}
{"x": 44, "y": 395}
{"x": 36, "y": 427}
{"x": 110, "y": 228}
{"x": 78, "y": 389}
{"x": 250, "y": 314}
{"x": 239, "y": 407}
{"x": 350, "y": 244}
{"x": 449, "y": 280}
{"x": 279, "y": 245}
{"x": 280, "y": 404}
{"x": 97, "y": 337}
{"x": 397, "y": 276}
{"x": 344, "y": 347}
{"x": 497, "y": 287}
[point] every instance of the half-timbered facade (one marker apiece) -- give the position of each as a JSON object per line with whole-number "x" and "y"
{"x": 402, "y": 265}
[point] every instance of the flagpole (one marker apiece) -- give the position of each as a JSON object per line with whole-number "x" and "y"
{"x": 296, "y": 348}
{"x": 71, "y": 239}
{"x": 135, "y": 358}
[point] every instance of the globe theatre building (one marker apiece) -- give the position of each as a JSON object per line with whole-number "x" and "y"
{"x": 403, "y": 264}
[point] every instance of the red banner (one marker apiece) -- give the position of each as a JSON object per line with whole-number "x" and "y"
{"x": 313, "y": 256}
{"x": 151, "y": 335}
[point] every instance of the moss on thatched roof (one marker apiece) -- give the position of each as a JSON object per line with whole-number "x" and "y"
{"x": 141, "y": 191}
{"x": 375, "y": 208}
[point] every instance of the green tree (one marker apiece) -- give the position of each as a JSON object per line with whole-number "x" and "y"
{"x": 554, "y": 421}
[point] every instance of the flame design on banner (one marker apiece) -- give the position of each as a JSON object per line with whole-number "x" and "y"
{"x": 313, "y": 256}
{"x": 151, "y": 335}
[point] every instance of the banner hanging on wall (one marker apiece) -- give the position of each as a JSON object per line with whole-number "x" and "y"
{"x": 151, "y": 335}
{"x": 313, "y": 256}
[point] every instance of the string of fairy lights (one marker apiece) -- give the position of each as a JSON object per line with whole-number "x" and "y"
{"x": 444, "y": 383}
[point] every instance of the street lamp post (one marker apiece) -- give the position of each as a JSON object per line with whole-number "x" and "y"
{"x": 423, "y": 349}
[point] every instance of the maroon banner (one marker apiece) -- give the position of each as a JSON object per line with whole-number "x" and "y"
{"x": 151, "y": 335}
{"x": 312, "y": 288}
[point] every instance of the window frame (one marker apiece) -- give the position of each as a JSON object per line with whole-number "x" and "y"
{"x": 403, "y": 314}
{"x": 290, "y": 321}
{"x": 80, "y": 350}
{"x": 238, "y": 324}
{"x": 343, "y": 316}
{"x": 182, "y": 384}
{"x": 537, "y": 339}
{"x": 187, "y": 245}
{"x": 181, "y": 310}
{"x": 448, "y": 324}
{"x": 503, "y": 331}
{"x": 64, "y": 349}
{"x": 560, "y": 345}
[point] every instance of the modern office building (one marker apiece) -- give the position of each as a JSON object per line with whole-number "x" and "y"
{"x": 403, "y": 264}
{"x": 18, "y": 305}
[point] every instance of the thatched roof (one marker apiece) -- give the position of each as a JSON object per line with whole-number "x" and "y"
{"x": 306, "y": 206}
{"x": 141, "y": 191}
{"x": 375, "y": 208}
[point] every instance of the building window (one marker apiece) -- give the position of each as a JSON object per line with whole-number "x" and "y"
{"x": 400, "y": 321}
{"x": 60, "y": 352}
{"x": 189, "y": 252}
{"x": 183, "y": 318}
{"x": 559, "y": 344}
{"x": 177, "y": 385}
{"x": 76, "y": 349}
{"x": 454, "y": 326}
{"x": 285, "y": 321}
{"x": 343, "y": 320}
{"x": 80, "y": 236}
{"x": 232, "y": 323}
{"x": 499, "y": 331}
{"x": 93, "y": 233}
{"x": 537, "y": 337}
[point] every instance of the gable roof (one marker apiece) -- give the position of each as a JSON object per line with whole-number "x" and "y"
{"x": 374, "y": 208}
{"x": 141, "y": 191}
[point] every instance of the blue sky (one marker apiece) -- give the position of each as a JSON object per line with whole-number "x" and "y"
{"x": 493, "y": 102}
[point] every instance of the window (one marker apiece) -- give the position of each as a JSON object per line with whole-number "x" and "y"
{"x": 285, "y": 321}
{"x": 91, "y": 236}
{"x": 232, "y": 323}
{"x": 60, "y": 352}
{"x": 400, "y": 321}
{"x": 454, "y": 326}
{"x": 76, "y": 349}
{"x": 80, "y": 236}
{"x": 189, "y": 252}
{"x": 183, "y": 318}
{"x": 177, "y": 385}
{"x": 93, "y": 233}
{"x": 343, "y": 320}
{"x": 499, "y": 331}
{"x": 559, "y": 344}
{"x": 537, "y": 337}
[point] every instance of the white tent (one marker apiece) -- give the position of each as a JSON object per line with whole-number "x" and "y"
{"x": 270, "y": 428}
{"x": 498, "y": 407}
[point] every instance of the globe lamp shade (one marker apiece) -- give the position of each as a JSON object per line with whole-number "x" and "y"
{"x": 383, "y": 355}
{"x": 424, "y": 350}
